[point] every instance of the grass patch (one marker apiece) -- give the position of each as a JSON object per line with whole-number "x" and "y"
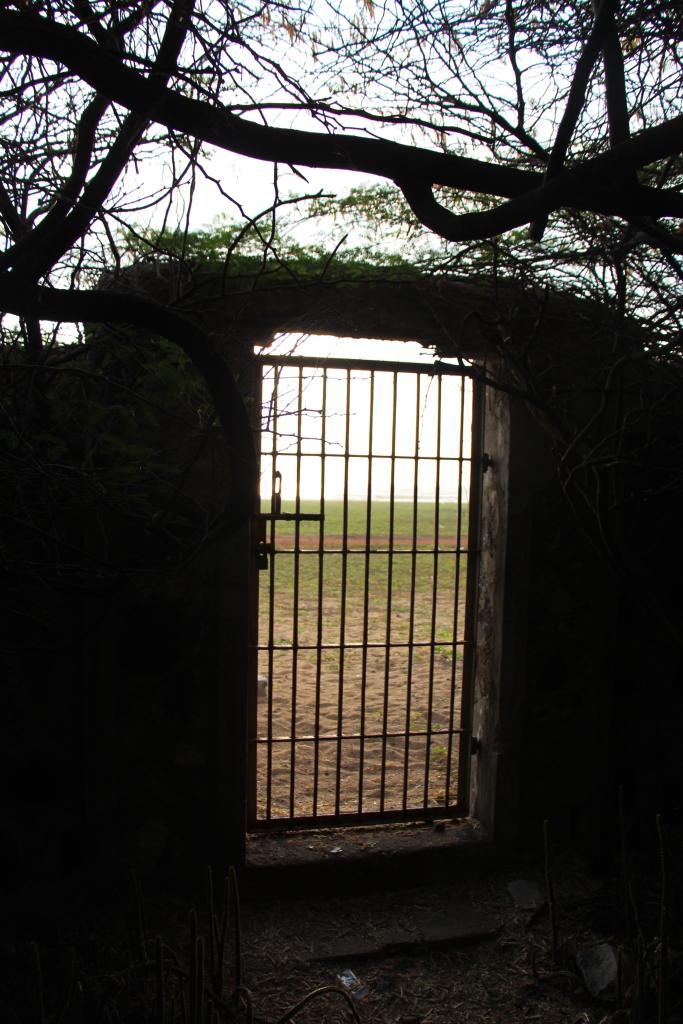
{"x": 424, "y": 523}
{"x": 364, "y": 576}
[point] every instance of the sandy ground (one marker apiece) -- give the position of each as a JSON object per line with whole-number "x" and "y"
{"x": 318, "y": 697}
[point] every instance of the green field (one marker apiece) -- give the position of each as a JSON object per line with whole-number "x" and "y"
{"x": 389, "y": 619}
{"x": 362, "y": 582}
{"x": 405, "y": 518}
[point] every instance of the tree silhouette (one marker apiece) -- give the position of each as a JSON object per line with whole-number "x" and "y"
{"x": 500, "y": 120}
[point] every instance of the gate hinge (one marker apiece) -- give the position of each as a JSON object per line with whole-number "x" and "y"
{"x": 486, "y": 462}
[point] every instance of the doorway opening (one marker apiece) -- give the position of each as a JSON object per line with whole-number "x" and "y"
{"x": 366, "y": 541}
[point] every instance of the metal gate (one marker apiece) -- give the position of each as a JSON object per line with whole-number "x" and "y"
{"x": 364, "y": 546}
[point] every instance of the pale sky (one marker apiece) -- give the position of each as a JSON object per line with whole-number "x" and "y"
{"x": 408, "y": 414}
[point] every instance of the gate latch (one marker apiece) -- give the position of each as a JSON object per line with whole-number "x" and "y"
{"x": 262, "y": 547}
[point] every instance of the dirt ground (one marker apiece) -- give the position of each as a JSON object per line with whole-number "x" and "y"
{"x": 406, "y": 684}
{"x": 103, "y": 957}
{"x": 505, "y": 979}
{"x": 373, "y": 773}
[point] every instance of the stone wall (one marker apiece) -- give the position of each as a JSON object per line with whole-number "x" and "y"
{"x": 127, "y": 719}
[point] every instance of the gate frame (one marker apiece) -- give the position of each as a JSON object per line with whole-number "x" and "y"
{"x": 469, "y": 744}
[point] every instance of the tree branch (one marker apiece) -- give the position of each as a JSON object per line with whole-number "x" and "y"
{"x": 512, "y": 53}
{"x": 17, "y": 228}
{"x": 615, "y": 85}
{"x": 85, "y": 141}
{"x": 575, "y": 101}
{"x": 15, "y": 223}
{"x": 91, "y": 20}
{"x": 37, "y": 252}
{"x": 565, "y": 189}
{"x": 211, "y": 124}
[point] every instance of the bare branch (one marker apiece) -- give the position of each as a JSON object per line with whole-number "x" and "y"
{"x": 590, "y": 184}
{"x": 576, "y": 99}
{"x": 38, "y": 251}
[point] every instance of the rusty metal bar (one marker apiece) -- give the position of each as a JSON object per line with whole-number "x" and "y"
{"x": 333, "y": 737}
{"x": 310, "y": 552}
{"x": 351, "y": 645}
{"x": 413, "y": 583}
{"x": 366, "y": 594}
{"x": 342, "y": 624}
{"x": 390, "y": 570}
{"x": 386, "y": 817}
{"x": 257, "y": 534}
{"x": 456, "y": 596}
{"x": 295, "y": 597}
{"x": 271, "y": 593}
{"x": 399, "y": 458}
{"x": 291, "y": 517}
{"x": 473, "y": 541}
{"x": 436, "y": 368}
{"x": 321, "y": 586}
{"x": 435, "y": 593}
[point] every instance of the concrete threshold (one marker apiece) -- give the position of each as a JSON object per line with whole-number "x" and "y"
{"x": 352, "y": 859}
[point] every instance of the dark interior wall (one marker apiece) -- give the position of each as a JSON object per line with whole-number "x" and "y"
{"x": 648, "y": 658}
{"x": 578, "y": 679}
{"x": 175, "y": 672}
{"x": 120, "y": 742}
{"x": 568, "y": 765}
{"x": 42, "y": 756}
{"x": 124, "y": 637}
{"x": 543, "y": 614}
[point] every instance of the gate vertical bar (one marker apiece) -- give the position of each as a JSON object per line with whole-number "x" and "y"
{"x": 435, "y": 593}
{"x": 456, "y": 596}
{"x": 473, "y": 540}
{"x": 366, "y": 594}
{"x": 342, "y": 623}
{"x": 320, "y": 591}
{"x": 295, "y": 599}
{"x": 254, "y": 612}
{"x": 271, "y": 594}
{"x": 413, "y": 585}
{"x": 390, "y": 573}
